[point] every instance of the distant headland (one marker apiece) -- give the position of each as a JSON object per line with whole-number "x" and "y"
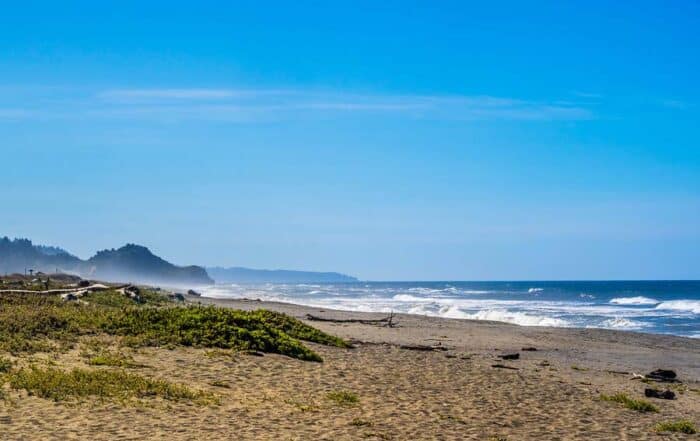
{"x": 136, "y": 263}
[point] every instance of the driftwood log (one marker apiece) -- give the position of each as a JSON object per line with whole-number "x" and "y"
{"x": 386, "y": 321}
{"x": 96, "y": 287}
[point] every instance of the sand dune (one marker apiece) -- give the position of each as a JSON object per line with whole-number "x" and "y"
{"x": 452, "y": 394}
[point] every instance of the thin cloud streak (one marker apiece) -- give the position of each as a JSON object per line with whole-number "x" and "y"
{"x": 250, "y": 105}
{"x": 126, "y": 95}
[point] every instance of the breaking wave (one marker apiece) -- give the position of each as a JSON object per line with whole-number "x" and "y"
{"x": 517, "y": 318}
{"x": 622, "y": 323}
{"x": 639, "y": 300}
{"x": 681, "y": 305}
{"x": 584, "y": 305}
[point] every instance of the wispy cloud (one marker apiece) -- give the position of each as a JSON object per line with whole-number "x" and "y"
{"x": 581, "y": 94}
{"x": 251, "y": 104}
{"x": 284, "y": 103}
{"x": 126, "y": 95}
{"x": 675, "y": 104}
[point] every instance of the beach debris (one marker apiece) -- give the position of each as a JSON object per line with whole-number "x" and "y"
{"x": 636, "y": 376}
{"x": 131, "y": 291}
{"x": 618, "y": 372}
{"x": 253, "y": 353}
{"x": 178, "y": 297}
{"x": 386, "y": 321}
{"x": 73, "y": 295}
{"x": 663, "y": 376}
{"x": 663, "y": 395}
{"x": 513, "y": 356}
{"x": 192, "y": 292}
{"x": 437, "y": 347}
{"x": 529, "y": 349}
{"x": 503, "y": 366}
{"x": 69, "y": 297}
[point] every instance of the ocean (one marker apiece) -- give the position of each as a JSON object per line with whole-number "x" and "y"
{"x": 663, "y": 307}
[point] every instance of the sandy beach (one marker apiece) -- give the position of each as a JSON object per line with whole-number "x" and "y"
{"x": 397, "y": 390}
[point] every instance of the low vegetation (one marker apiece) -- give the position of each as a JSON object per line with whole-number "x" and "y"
{"x": 59, "y": 385}
{"x": 681, "y": 426}
{"x": 103, "y": 323}
{"x": 5, "y": 365}
{"x": 114, "y": 359}
{"x": 219, "y": 383}
{"x": 343, "y": 397}
{"x": 630, "y": 403}
{"x": 37, "y": 323}
{"x": 303, "y": 406}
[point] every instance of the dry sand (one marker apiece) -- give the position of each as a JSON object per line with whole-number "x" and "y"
{"x": 451, "y": 394}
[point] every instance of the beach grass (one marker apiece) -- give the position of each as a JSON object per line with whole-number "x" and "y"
{"x": 43, "y": 323}
{"x": 630, "y": 403}
{"x": 119, "y": 385}
{"x": 680, "y": 426}
{"x": 343, "y": 397}
{"x": 5, "y": 365}
{"x": 113, "y": 359}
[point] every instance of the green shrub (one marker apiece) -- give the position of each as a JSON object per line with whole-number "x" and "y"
{"x": 5, "y": 365}
{"x": 116, "y": 359}
{"x": 638, "y": 405}
{"x": 27, "y": 320}
{"x": 61, "y": 385}
{"x": 115, "y": 299}
{"x": 343, "y": 397}
{"x": 682, "y": 426}
{"x": 210, "y": 327}
{"x": 298, "y": 329}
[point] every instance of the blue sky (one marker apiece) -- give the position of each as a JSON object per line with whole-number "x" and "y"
{"x": 392, "y": 141}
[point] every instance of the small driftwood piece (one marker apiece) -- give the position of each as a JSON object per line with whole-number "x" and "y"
{"x": 618, "y": 372}
{"x": 503, "y": 366}
{"x": 423, "y": 348}
{"x": 514, "y": 356}
{"x": 386, "y": 321}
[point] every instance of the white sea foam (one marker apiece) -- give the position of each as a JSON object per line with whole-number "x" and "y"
{"x": 411, "y": 298}
{"x": 621, "y": 323}
{"x": 533, "y": 290}
{"x": 639, "y": 300}
{"x": 516, "y": 318}
{"x": 624, "y": 313}
{"x": 681, "y": 305}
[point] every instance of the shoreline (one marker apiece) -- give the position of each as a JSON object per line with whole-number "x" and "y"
{"x": 422, "y": 378}
{"x": 602, "y": 349}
